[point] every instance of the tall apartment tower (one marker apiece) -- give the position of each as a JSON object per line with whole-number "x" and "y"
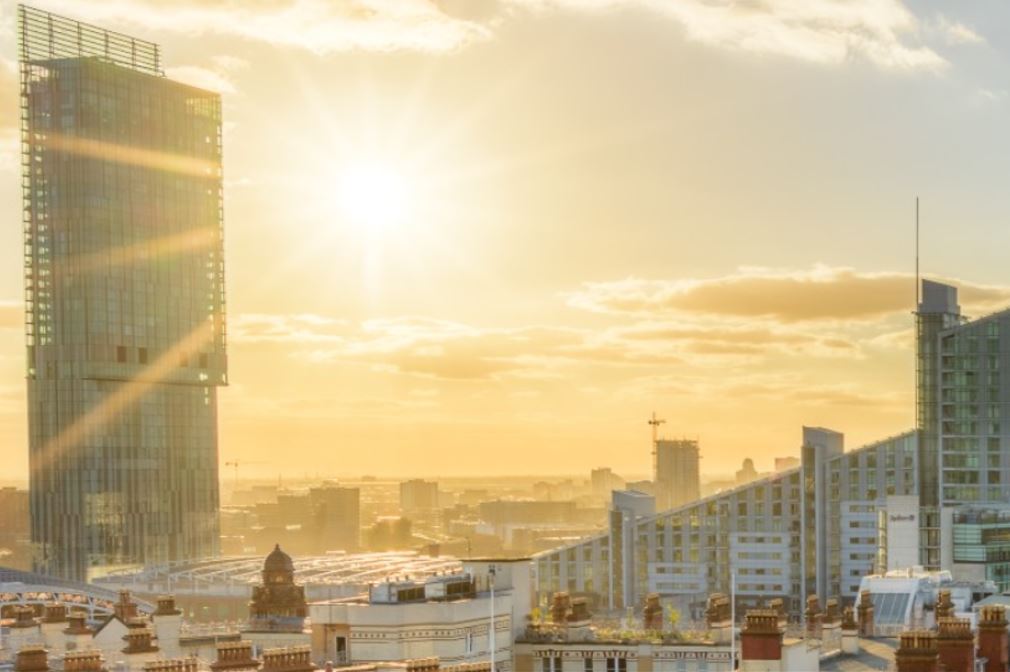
{"x": 124, "y": 300}
{"x": 677, "y": 476}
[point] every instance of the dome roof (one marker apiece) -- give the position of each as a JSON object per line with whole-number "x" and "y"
{"x": 278, "y": 561}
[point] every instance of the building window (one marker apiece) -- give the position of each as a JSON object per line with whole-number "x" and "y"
{"x": 121, "y": 354}
{"x": 552, "y": 664}
{"x": 588, "y": 665}
{"x": 142, "y": 355}
{"x": 617, "y": 665}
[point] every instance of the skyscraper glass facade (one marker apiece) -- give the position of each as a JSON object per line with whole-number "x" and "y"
{"x": 124, "y": 300}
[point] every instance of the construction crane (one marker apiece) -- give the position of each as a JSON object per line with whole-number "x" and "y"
{"x": 655, "y": 422}
{"x": 236, "y": 464}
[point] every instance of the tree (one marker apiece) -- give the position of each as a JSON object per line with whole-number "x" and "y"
{"x": 673, "y": 616}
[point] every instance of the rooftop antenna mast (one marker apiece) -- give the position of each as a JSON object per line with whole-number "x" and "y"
{"x": 917, "y": 297}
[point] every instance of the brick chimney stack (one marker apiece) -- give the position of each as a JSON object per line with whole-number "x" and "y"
{"x": 54, "y": 619}
{"x": 850, "y": 632}
{"x": 172, "y": 665}
{"x": 83, "y": 661}
{"x": 812, "y": 615}
{"x": 944, "y": 605}
{"x": 864, "y": 613}
{"x": 993, "y": 642}
{"x": 423, "y": 665}
{"x": 718, "y": 617}
{"x": 167, "y": 623}
{"x": 956, "y": 644}
{"x": 468, "y": 667}
{"x": 760, "y": 640}
{"x": 25, "y": 631}
{"x": 559, "y": 608}
{"x": 235, "y": 656}
{"x": 578, "y": 626}
{"x": 125, "y": 609}
{"x": 290, "y": 659}
{"x": 652, "y": 615}
{"x": 31, "y": 659}
{"x": 917, "y": 652}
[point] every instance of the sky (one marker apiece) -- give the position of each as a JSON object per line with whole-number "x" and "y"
{"x": 493, "y": 236}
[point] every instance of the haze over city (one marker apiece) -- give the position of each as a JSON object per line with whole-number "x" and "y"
{"x": 459, "y": 232}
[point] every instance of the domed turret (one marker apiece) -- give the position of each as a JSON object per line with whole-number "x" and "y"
{"x": 279, "y": 604}
{"x": 278, "y": 565}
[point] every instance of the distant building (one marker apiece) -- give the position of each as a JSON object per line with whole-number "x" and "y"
{"x": 337, "y": 515}
{"x": 418, "y": 497}
{"x": 747, "y": 472}
{"x": 389, "y": 533}
{"x": 677, "y": 476}
{"x": 124, "y": 300}
{"x": 786, "y": 463}
{"x": 15, "y": 543}
{"x": 603, "y": 480}
{"x": 648, "y": 487}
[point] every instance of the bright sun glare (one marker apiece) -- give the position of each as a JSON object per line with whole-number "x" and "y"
{"x": 373, "y": 197}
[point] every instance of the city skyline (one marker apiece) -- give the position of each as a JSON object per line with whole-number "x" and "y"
{"x": 543, "y": 296}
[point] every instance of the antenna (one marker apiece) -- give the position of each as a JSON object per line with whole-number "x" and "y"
{"x": 917, "y": 298}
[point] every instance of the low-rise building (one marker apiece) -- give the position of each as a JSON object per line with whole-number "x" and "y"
{"x": 446, "y": 616}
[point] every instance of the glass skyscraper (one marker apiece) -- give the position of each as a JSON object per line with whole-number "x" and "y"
{"x": 124, "y": 300}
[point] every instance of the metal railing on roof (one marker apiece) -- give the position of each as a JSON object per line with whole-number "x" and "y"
{"x": 44, "y": 36}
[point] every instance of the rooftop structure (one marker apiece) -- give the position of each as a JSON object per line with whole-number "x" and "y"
{"x": 323, "y": 576}
{"x": 29, "y": 588}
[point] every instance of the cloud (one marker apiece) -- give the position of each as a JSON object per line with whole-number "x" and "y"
{"x": 321, "y": 26}
{"x": 270, "y": 328}
{"x": 820, "y": 294}
{"x": 882, "y": 32}
{"x": 791, "y": 388}
{"x": 954, "y": 32}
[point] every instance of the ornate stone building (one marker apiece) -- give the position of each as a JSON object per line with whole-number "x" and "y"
{"x": 278, "y": 608}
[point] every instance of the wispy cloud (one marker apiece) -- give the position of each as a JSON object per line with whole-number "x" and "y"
{"x": 882, "y": 32}
{"x": 821, "y": 293}
{"x": 954, "y": 32}
{"x": 317, "y": 25}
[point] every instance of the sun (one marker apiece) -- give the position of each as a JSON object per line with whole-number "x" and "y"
{"x": 373, "y": 197}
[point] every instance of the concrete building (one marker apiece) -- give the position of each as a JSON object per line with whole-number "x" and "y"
{"x": 816, "y": 530}
{"x": 337, "y": 514}
{"x": 603, "y": 480}
{"x": 418, "y": 497}
{"x": 15, "y": 529}
{"x": 676, "y": 473}
{"x": 121, "y": 171}
{"x": 444, "y": 616}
